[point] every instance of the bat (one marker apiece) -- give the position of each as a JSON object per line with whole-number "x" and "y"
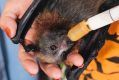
{"x": 53, "y": 24}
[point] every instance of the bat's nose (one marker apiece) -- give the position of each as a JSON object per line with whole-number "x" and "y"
{"x": 66, "y": 45}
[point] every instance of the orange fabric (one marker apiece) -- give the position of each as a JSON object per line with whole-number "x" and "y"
{"x": 106, "y": 65}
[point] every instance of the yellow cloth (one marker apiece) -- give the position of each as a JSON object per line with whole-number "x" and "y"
{"x": 106, "y": 65}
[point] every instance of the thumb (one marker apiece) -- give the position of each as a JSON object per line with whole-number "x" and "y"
{"x": 8, "y": 24}
{"x": 10, "y": 13}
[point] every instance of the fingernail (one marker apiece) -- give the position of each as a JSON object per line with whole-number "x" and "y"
{"x": 81, "y": 66}
{"x": 8, "y": 32}
{"x": 57, "y": 76}
{"x": 76, "y": 51}
{"x": 33, "y": 75}
{"x": 57, "y": 79}
{"x": 33, "y": 69}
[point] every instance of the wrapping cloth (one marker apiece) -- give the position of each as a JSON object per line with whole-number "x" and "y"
{"x": 106, "y": 64}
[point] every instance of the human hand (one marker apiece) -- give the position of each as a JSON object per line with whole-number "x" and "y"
{"x": 11, "y": 13}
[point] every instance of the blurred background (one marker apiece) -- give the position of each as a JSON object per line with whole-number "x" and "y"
{"x": 10, "y": 67}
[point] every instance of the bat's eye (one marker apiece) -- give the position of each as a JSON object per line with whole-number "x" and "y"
{"x": 53, "y": 47}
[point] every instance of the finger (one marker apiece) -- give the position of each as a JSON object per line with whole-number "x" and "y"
{"x": 24, "y": 6}
{"x": 28, "y": 62}
{"x": 52, "y": 70}
{"x": 11, "y": 13}
{"x": 18, "y": 9}
{"x": 8, "y": 24}
{"x": 74, "y": 58}
{"x": 8, "y": 19}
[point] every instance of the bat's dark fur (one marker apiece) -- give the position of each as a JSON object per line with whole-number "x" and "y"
{"x": 57, "y": 18}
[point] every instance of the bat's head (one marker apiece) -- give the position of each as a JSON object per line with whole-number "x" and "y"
{"x": 54, "y": 45}
{"x": 53, "y": 41}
